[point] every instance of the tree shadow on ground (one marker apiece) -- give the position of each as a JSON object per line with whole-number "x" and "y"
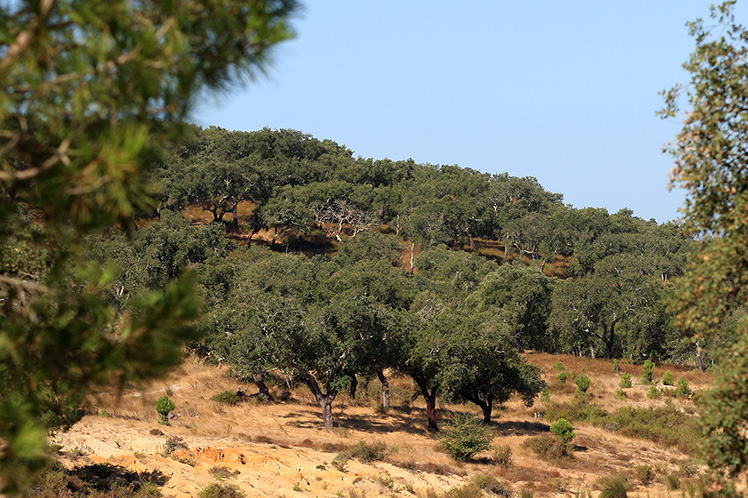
{"x": 519, "y": 427}
{"x": 104, "y": 477}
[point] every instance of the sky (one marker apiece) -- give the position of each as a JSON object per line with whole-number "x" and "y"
{"x": 562, "y": 90}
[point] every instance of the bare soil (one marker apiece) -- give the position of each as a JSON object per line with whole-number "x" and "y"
{"x": 282, "y": 449}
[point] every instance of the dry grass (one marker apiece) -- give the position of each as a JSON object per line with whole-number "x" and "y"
{"x": 290, "y": 433}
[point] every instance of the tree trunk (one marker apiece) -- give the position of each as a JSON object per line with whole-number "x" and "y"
{"x": 429, "y": 395}
{"x": 385, "y": 389}
{"x": 353, "y": 387}
{"x": 430, "y": 398}
{"x": 699, "y": 360}
{"x": 260, "y": 383}
{"x": 412, "y": 257}
{"x": 235, "y": 212}
{"x": 472, "y": 242}
{"x": 487, "y": 408}
{"x": 325, "y": 402}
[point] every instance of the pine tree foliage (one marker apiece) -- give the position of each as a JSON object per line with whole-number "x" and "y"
{"x": 90, "y": 92}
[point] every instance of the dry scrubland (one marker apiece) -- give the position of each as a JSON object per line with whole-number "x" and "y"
{"x": 281, "y": 449}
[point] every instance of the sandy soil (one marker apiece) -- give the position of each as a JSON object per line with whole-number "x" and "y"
{"x": 281, "y": 449}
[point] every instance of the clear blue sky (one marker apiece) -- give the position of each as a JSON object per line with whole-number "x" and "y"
{"x": 565, "y": 91}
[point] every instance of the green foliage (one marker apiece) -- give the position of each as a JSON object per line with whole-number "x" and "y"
{"x": 653, "y": 392}
{"x": 465, "y": 436}
{"x": 709, "y": 166}
{"x": 221, "y": 472}
{"x": 645, "y": 474}
{"x": 578, "y": 409}
{"x": 682, "y": 391}
{"x": 370, "y": 452}
{"x": 667, "y": 378}
{"x": 491, "y": 485}
{"x": 615, "y": 365}
{"x": 648, "y": 369}
{"x": 228, "y": 397}
{"x": 98, "y": 480}
{"x": 562, "y": 376}
{"x": 502, "y": 455}
{"x": 164, "y": 405}
{"x": 614, "y": 487}
{"x": 625, "y": 381}
{"x": 564, "y": 430}
{"x": 560, "y": 366}
{"x": 90, "y": 92}
{"x": 664, "y": 425}
{"x": 582, "y": 382}
{"x": 548, "y": 446}
{"x": 216, "y": 490}
{"x": 620, "y": 393}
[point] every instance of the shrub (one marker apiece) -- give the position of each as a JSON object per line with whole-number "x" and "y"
{"x": 466, "y": 491}
{"x": 562, "y": 376}
{"x": 502, "y": 455}
{"x": 227, "y": 397}
{"x": 625, "y": 381}
{"x": 653, "y": 393}
{"x": 220, "y": 491}
{"x": 667, "y": 378}
{"x": 373, "y": 453}
{"x": 548, "y": 446}
{"x": 648, "y": 368}
{"x": 164, "y": 405}
{"x": 465, "y": 436}
{"x": 340, "y": 461}
{"x": 672, "y": 482}
{"x": 560, "y": 367}
{"x": 620, "y": 394}
{"x": 682, "y": 391}
{"x": 563, "y": 429}
{"x": 579, "y": 408}
{"x": 491, "y": 485}
{"x": 613, "y": 487}
{"x": 583, "y": 383}
{"x": 664, "y": 425}
{"x": 644, "y": 474}
{"x": 222, "y": 472}
{"x": 615, "y": 366}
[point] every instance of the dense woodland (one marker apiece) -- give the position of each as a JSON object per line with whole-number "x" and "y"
{"x": 364, "y": 266}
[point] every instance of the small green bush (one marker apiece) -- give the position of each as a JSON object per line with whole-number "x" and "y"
{"x": 222, "y": 473}
{"x": 164, "y": 405}
{"x": 563, "y": 429}
{"x": 583, "y": 383}
{"x": 614, "y": 487}
{"x": 502, "y": 455}
{"x": 560, "y": 367}
{"x": 216, "y": 490}
{"x": 648, "y": 368}
{"x": 682, "y": 391}
{"x": 466, "y": 491}
{"x": 227, "y": 397}
{"x": 667, "y": 378}
{"x": 653, "y": 393}
{"x": 370, "y": 453}
{"x": 548, "y": 446}
{"x": 620, "y": 394}
{"x": 644, "y": 474}
{"x": 625, "y": 381}
{"x": 491, "y": 485}
{"x": 615, "y": 365}
{"x": 672, "y": 482}
{"x": 562, "y": 376}
{"x": 465, "y": 436}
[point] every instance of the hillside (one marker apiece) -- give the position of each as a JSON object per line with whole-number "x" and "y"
{"x": 281, "y": 449}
